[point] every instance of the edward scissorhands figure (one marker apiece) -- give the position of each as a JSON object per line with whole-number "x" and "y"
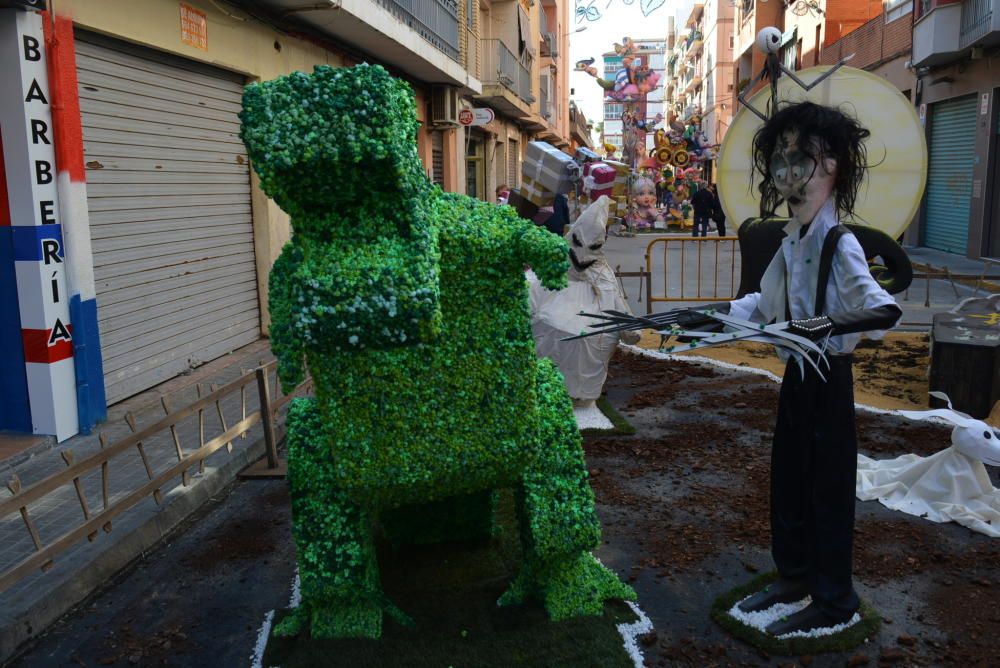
{"x": 813, "y": 158}
{"x": 817, "y": 286}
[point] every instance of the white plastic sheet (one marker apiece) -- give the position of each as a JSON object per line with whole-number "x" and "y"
{"x": 945, "y": 487}
{"x": 949, "y": 486}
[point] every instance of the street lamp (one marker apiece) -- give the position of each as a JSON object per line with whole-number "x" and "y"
{"x": 580, "y": 29}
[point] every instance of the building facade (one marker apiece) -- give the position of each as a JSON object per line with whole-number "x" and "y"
{"x": 956, "y": 92}
{"x": 133, "y": 198}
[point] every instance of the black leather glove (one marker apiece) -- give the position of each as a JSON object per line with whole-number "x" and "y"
{"x": 695, "y": 318}
{"x": 811, "y": 328}
{"x": 848, "y": 322}
{"x": 866, "y": 320}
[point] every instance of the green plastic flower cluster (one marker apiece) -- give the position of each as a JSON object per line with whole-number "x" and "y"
{"x": 410, "y": 309}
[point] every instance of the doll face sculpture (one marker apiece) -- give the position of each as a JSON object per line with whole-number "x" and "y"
{"x": 645, "y": 194}
{"x": 804, "y": 177}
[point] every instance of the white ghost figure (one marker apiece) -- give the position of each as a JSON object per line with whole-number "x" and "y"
{"x": 949, "y": 486}
{"x": 592, "y": 288}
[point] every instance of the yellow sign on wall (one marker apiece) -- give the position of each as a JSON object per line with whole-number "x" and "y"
{"x": 194, "y": 27}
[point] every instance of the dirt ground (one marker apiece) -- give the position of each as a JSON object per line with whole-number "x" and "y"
{"x": 684, "y": 509}
{"x": 890, "y": 374}
{"x": 687, "y": 498}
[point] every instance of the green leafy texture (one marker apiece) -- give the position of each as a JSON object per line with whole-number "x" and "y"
{"x": 410, "y": 309}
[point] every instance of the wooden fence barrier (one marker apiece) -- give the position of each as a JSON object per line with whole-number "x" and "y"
{"x": 94, "y": 521}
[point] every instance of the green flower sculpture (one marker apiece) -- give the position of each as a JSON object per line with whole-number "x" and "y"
{"x": 410, "y": 309}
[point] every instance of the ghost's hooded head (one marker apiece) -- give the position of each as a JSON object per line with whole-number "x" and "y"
{"x": 586, "y": 236}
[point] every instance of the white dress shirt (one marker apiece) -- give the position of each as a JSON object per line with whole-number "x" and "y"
{"x": 795, "y": 271}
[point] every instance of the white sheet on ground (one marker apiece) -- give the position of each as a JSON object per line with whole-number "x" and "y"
{"x": 945, "y": 487}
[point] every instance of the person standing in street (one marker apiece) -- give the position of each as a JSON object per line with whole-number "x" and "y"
{"x": 718, "y": 215}
{"x": 704, "y": 204}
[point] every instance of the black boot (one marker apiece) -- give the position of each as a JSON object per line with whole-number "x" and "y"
{"x": 805, "y": 620}
{"x": 781, "y": 591}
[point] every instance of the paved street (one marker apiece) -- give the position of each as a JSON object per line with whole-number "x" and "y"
{"x": 195, "y": 601}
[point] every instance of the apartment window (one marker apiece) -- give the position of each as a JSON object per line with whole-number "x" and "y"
{"x": 819, "y": 45}
{"x": 897, "y": 9}
{"x": 790, "y": 54}
{"x": 613, "y": 112}
{"x": 732, "y": 41}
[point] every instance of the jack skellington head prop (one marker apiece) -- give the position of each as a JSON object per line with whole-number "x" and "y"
{"x": 805, "y": 152}
{"x": 769, "y": 42}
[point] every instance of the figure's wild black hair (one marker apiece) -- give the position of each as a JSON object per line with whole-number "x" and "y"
{"x": 836, "y": 135}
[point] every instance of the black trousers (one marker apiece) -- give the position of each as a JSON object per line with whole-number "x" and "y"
{"x": 813, "y": 471}
{"x": 700, "y": 224}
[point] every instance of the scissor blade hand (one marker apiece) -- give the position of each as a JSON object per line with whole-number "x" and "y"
{"x": 777, "y": 329}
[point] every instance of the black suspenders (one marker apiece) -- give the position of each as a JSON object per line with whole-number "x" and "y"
{"x": 825, "y": 264}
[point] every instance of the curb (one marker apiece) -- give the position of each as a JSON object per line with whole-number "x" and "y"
{"x": 21, "y": 623}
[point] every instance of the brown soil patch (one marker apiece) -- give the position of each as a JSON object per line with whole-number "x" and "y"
{"x": 689, "y": 492}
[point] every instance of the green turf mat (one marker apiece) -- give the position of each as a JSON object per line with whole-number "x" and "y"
{"x": 451, "y": 590}
{"x": 839, "y": 642}
{"x": 621, "y": 425}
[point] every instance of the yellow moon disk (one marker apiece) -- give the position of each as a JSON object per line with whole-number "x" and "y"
{"x": 897, "y": 153}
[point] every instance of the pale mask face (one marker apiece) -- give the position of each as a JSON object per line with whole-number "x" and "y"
{"x": 804, "y": 183}
{"x": 586, "y": 242}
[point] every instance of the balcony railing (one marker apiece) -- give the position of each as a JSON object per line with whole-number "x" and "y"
{"x": 977, "y": 16}
{"x": 501, "y": 66}
{"x": 434, "y": 20}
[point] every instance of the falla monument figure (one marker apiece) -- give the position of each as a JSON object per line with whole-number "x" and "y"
{"x": 409, "y": 308}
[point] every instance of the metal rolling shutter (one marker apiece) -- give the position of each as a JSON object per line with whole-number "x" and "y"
{"x": 949, "y": 176}
{"x": 168, "y": 189}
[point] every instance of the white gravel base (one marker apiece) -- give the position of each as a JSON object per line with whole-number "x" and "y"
{"x": 760, "y": 620}
{"x": 629, "y": 633}
{"x": 592, "y": 418}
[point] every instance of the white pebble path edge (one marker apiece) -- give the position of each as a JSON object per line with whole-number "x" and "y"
{"x": 761, "y": 619}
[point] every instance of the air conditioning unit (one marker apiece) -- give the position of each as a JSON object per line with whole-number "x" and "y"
{"x": 444, "y": 105}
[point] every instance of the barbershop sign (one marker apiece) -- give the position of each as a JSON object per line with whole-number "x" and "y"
{"x": 33, "y": 217}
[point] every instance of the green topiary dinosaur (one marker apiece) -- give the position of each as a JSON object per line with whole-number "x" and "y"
{"x": 410, "y": 308}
